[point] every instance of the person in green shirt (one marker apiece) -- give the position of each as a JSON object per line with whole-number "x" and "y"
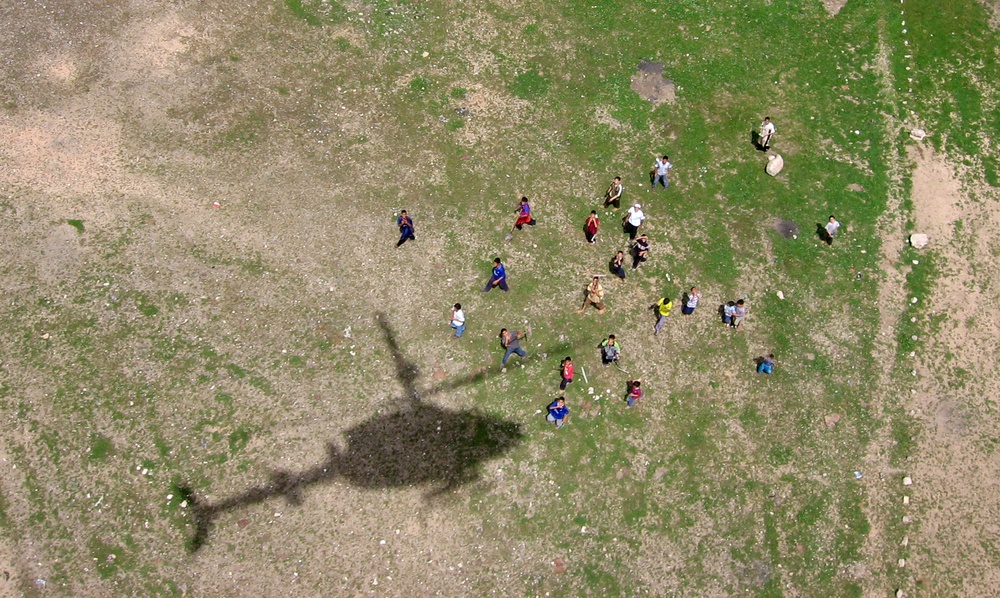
{"x": 663, "y": 307}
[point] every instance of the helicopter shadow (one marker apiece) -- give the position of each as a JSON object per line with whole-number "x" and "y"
{"x": 416, "y": 444}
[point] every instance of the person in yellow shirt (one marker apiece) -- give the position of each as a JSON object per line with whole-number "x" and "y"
{"x": 663, "y": 307}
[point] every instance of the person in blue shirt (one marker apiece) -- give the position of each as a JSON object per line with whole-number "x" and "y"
{"x": 766, "y": 365}
{"x": 499, "y": 277}
{"x": 558, "y": 411}
{"x": 405, "y": 224}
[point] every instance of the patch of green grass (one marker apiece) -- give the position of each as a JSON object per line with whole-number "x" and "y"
{"x": 77, "y": 224}
{"x": 101, "y": 447}
{"x": 530, "y": 85}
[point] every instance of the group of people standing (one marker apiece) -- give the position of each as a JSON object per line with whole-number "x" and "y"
{"x": 733, "y": 313}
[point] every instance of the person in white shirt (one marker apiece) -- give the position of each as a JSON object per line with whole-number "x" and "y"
{"x": 458, "y": 320}
{"x": 831, "y": 229}
{"x": 767, "y": 131}
{"x": 661, "y": 172}
{"x": 633, "y": 220}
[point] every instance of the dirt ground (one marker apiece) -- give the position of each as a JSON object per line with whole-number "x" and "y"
{"x": 957, "y": 381}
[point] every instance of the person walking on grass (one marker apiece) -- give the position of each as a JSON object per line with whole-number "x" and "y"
{"x": 663, "y": 308}
{"x": 511, "y": 344}
{"x": 739, "y": 315}
{"x": 566, "y": 370}
{"x": 765, "y": 365}
{"x": 595, "y": 296}
{"x": 405, "y": 224}
{"x": 610, "y": 350}
{"x": 767, "y": 131}
{"x": 498, "y": 278}
{"x": 591, "y": 226}
{"x": 613, "y": 196}
{"x": 831, "y": 229}
{"x": 633, "y": 220}
{"x": 634, "y": 393}
{"x": 616, "y": 265}
{"x": 661, "y": 172}
{"x": 523, "y": 215}
{"x": 558, "y": 412}
{"x": 640, "y": 249}
{"x": 458, "y": 320}
{"x": 691, "y": 301}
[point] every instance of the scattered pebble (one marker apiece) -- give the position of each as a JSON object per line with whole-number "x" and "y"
{"x": 905, "y": 542}
{"x": 906, "y": 519}
{"x": 914, "y": 300}
{"x": 590, "y": 390}
{"x": 902, "y": 563}
{"x": 907, "y": 481}
{"x": 780, "y": 295}
{"x": 906, "y": 500}
{"x": 425, "y": 54}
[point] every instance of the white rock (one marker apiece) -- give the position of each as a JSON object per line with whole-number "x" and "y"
{"x": 590, "y": 390}
{"x": 425, "y": 54}
{"x": 914, "y": 299}
{"x": 919, "y": 240}
{"x": 774, "y": 164}
{"x": 907, "y": 481}
{"x": 902, "y": 563}
{"x": 906, "y": 500}
{"x": 780, "y": 295}
{"x": 905, "y": 542}
{"x": 918, "y": 134}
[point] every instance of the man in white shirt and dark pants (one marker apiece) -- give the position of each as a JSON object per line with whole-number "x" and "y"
{"x": 767, "y": 131}
{"x": 633, "y": 220}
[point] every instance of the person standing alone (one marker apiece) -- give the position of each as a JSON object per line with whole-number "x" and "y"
{"x": 405, "y": 224}
{"x": 498, "y": 278}
{"x": 661, "y": 172}
{"x": 767, "y": 131}
{"x": 458, "y": 320}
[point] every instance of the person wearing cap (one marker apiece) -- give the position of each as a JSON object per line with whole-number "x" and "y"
{"x": 661, "y": 172}
{"x": 595, "y": 296}
{"x": 633, "y": 220}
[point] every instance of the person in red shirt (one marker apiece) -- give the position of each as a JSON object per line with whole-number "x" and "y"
{"x": 567, "y": 372}
{"x": 523, "y": 215}
{"x": 593, "y": 223}
{"x": 635, "y": 392}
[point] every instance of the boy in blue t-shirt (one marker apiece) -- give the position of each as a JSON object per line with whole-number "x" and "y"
{"x": 766, "y": 365}
{"x": 557, "y": 412}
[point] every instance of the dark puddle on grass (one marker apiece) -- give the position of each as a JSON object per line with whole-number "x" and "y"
{"x": 417, "y": 444}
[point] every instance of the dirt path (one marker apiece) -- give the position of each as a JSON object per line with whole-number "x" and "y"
{"x": 953, "y": 550}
